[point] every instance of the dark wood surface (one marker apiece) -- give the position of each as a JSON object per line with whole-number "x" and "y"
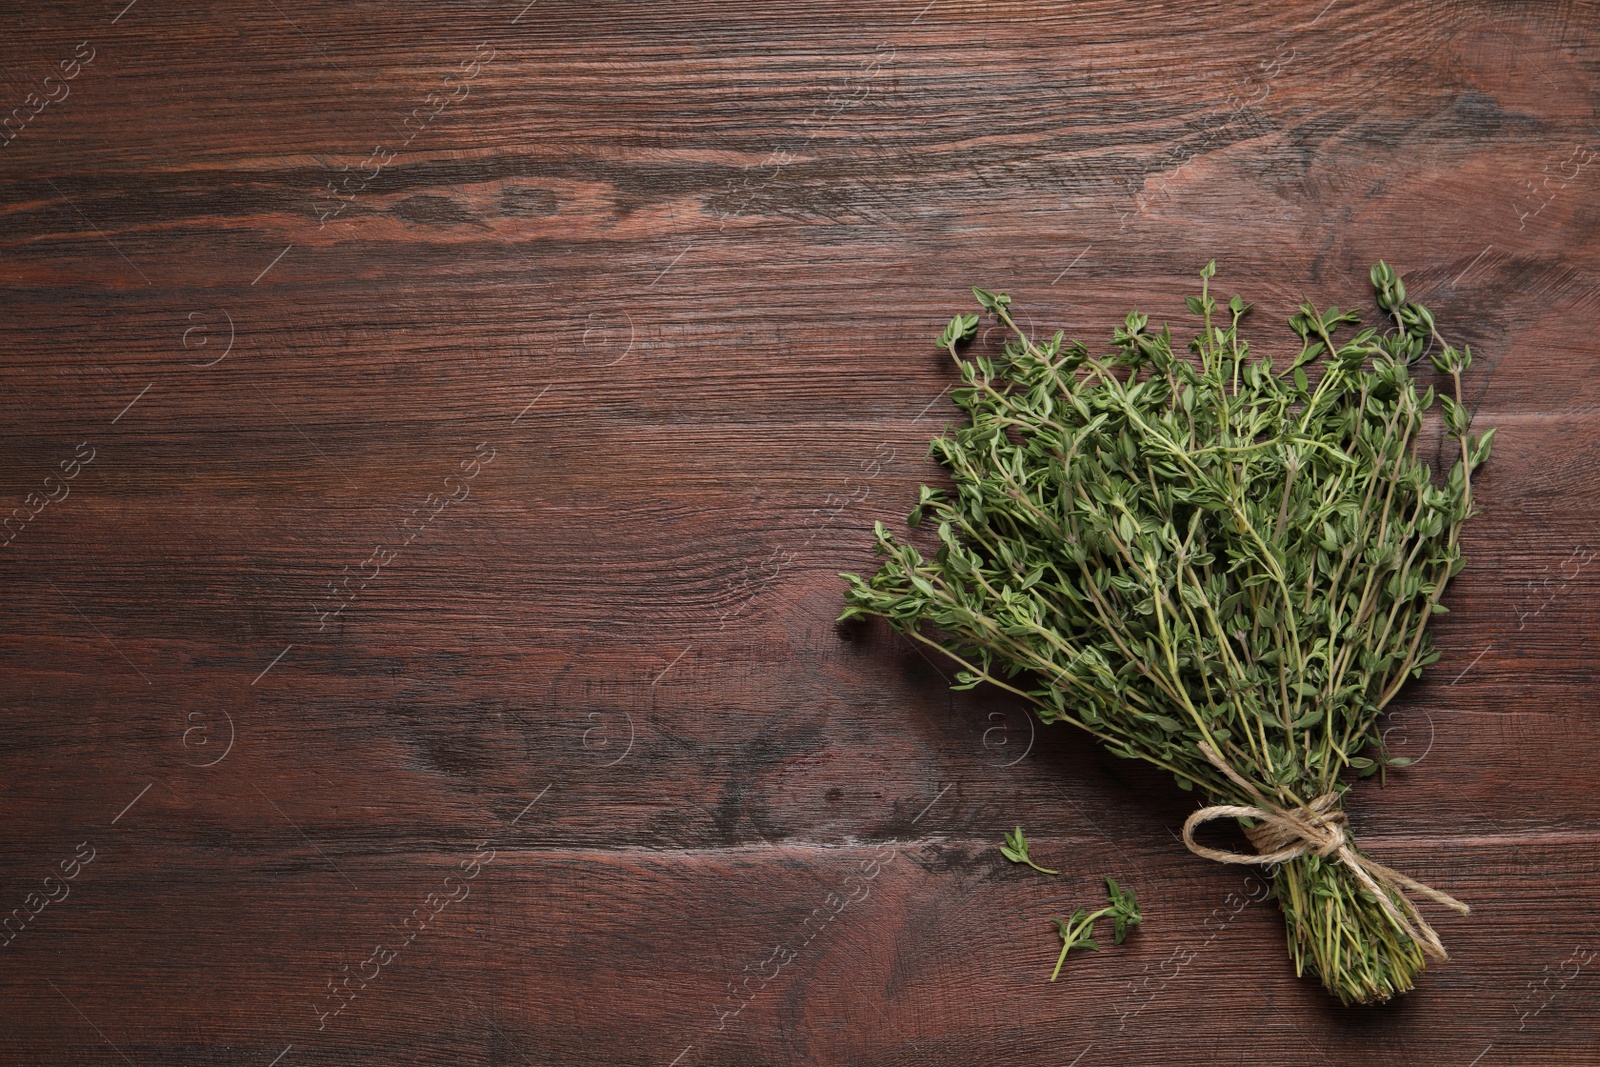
{"x": 676, "y": 268}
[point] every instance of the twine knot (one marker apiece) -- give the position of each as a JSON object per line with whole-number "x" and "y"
{"x": 1318, "y": 828}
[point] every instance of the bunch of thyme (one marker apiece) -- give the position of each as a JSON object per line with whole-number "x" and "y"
{"x": 1184, "y": 555}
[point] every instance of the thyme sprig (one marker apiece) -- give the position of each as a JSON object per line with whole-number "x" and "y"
{"x": 1078, "y": 931}
{"x": 1015, "y": 849}
{"x": 1168, "y": 549}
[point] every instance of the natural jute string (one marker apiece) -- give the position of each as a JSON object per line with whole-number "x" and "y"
{"x": 1319, "y": 827}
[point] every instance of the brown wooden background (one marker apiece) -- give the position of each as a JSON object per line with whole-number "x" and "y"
{"x": 676, "y": 267}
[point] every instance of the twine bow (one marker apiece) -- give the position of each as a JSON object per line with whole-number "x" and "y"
{"x": 1318, "y": 828}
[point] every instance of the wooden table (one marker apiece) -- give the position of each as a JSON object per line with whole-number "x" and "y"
{"x": 434, "y": 433}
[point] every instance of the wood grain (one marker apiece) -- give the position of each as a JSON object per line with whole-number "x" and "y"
{"x": 677, "y": 269}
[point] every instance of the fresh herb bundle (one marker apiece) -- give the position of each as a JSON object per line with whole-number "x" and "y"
{"x": 1214, "y": 564}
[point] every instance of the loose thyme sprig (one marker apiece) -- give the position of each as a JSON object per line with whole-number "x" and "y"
{"x": 1077, "y": 932}
{"x": 1015, "y": 849}
{"x": 1172, "y": 549}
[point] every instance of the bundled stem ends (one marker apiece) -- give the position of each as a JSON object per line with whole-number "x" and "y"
{"x": 1220, "y": 566}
